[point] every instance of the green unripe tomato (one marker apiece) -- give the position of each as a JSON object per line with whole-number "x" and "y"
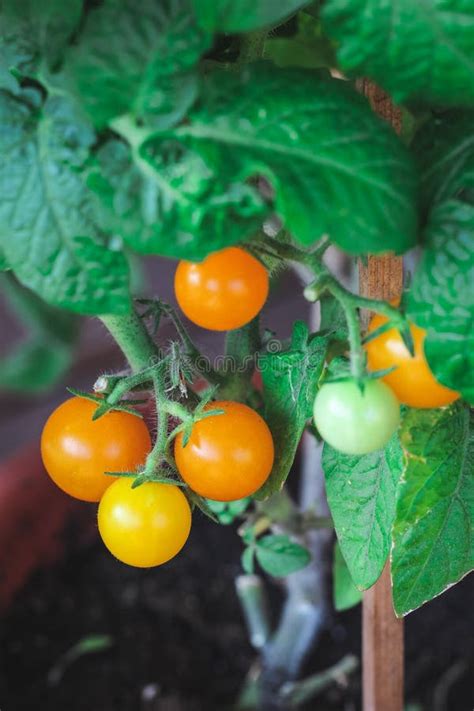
{"x": 356, "y": 422}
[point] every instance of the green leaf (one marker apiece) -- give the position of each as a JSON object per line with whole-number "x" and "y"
{"x": 433, "y": 535}
{"x": 279, "y": 556}
{"x": 441, "y": 298}
{"x": 34, "y": 34}
{"x": 361, "y": 494}
{"x": 245, "y": 15}
{"x": 345, "y": 593}
{"x": 138, "y": 60}
{"x": 308, "y": 48}
{"x": 7, "y": 60}
{"x": 444, "y": 149}
{"x": 420, "y": 51}
{"x": 170, "y": 204}
{"x": 336, "y": 168}
{"x": 227, "y": 512}
{"x": 333, "y": 319}
{"x": 290, "y": 380}
{"x": 4, "y": 266}
{"x": 47, "y": 215}
{"x": 138, "y": 481}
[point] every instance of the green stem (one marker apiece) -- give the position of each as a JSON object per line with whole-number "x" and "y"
{"x": 192, "y": 352}
{"x": 326, "y": 282}
{"x": 126, "y": 384}
{"x": 133, "y": 338}
{"x": 162, "y": 432}
{"x": 357, "y": 353}
{"x": 252, "y": 596}
{"x": 189, "y": 347}
{"x": 157, "y": 454}
{"x": 175, "y": 409}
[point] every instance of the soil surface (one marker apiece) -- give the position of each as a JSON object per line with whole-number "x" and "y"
{"x": 178, "y": 643}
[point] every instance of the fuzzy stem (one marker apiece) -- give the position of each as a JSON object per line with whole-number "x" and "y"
{"x": 157, "y": 454}
{"x": 350, "y": 302}
{"x": 133, "y": 339}
{"x": 326, "y": 282}
{"x": 357, "y": 354}
{"x": 124, "y": 385}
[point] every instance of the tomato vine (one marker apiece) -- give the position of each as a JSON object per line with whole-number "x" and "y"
{"x": 188, "y": 128}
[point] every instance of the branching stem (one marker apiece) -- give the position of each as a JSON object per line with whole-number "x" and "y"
{"x": 323, "y": 282}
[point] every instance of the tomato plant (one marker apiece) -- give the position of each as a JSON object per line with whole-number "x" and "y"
{"x": 225, "y": 291}
{"x": 77, "y": 451}
{"x": 220, "y": 135}
{"x": 228, "y": 456}
{"x": 146, "y": 526}
{"x": 411, "y": 380}
{"x": 356, "y": 418}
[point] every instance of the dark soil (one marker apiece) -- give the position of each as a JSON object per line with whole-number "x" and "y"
{"x": 178, "y": 641}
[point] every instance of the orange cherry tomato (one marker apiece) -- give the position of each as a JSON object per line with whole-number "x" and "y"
{"x": 228, "y": 456}
{"x": 225, "y": 291}
{"x": 77, "y": 450}
{"x": 145, "y": 526}
{"x": 412, "y": 381}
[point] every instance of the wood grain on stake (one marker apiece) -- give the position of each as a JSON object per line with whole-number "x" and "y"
{"x": 382, "y": 633}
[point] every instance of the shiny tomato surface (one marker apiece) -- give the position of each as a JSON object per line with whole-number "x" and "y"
{"x": 228, "y": 456}
{"x": 77, "y": 450}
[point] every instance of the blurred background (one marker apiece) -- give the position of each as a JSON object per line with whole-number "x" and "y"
{"x": 82, "y": 631}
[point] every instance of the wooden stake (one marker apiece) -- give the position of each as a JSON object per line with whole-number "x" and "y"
{"x": 382, "y": 632}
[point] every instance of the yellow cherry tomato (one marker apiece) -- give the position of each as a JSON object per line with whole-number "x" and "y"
{"x": 146, "y": 526}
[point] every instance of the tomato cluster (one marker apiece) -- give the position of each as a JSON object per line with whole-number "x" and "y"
{"x": 229, "y": 455}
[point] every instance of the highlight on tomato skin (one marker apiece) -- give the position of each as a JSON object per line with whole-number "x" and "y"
{"x": 412, "y": 380}
{"x": 228, "y": 456}
{"x": 146, "y": 526}
{"x": 77, "y": 450}
{"x": 223, "y": 292}
{"x": 356, "y": 421}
